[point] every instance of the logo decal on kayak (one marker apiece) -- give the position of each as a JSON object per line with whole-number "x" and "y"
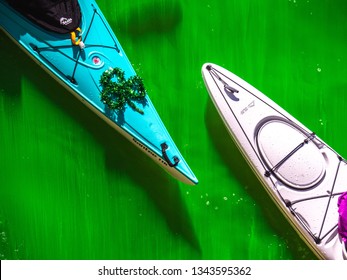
{"x": 250, "y": 105}
{"x": 65, "y": 21}
{"x": 96, "y": 60}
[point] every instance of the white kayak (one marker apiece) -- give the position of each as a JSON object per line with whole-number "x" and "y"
{"x": 301, "y": 173}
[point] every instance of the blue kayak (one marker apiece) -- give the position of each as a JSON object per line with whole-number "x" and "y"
{"x": 82, "y": 63}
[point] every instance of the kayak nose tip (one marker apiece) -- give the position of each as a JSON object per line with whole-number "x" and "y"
{"x": 193, "y": 181}
{"x": 208, "y": 67}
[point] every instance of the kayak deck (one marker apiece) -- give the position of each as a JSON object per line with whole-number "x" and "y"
{"x": 80, "y": 70}
{"x": 300, "y": 172}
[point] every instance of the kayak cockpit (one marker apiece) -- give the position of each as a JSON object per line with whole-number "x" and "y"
{"x": 290, "y": 154}
{"x": 60, "y": 16}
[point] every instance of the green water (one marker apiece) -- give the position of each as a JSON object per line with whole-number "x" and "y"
{"x": 72, "y": 188}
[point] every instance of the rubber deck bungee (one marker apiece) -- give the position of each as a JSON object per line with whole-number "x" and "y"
{"x": 301, "y": 173}
{"x": 78, "y": 61}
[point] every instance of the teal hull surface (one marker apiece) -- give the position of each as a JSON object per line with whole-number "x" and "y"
{"x": 80, "y": 70}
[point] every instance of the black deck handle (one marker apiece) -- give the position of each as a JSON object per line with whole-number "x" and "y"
{"x": 164, "y": 147}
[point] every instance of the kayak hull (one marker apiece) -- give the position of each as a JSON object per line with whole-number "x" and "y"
{"x": 301, "y": 173}
{"x": 79, "y": 70}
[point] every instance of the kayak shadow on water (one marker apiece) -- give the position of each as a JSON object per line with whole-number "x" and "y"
{"x": 239, "y": 169}
{"x": 159, "y": 186}
{"x": 155, "y": 18}
{"x": 121, "y": 156}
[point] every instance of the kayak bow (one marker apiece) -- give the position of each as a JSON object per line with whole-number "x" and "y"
{"x": 79, "y": 60}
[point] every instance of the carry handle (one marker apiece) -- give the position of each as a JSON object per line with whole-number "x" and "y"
{"x": 76, "y": 38}
{"x": 164, "y": 147}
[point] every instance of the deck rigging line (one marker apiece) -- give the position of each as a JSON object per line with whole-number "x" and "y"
{"x": 80, "y": 51}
